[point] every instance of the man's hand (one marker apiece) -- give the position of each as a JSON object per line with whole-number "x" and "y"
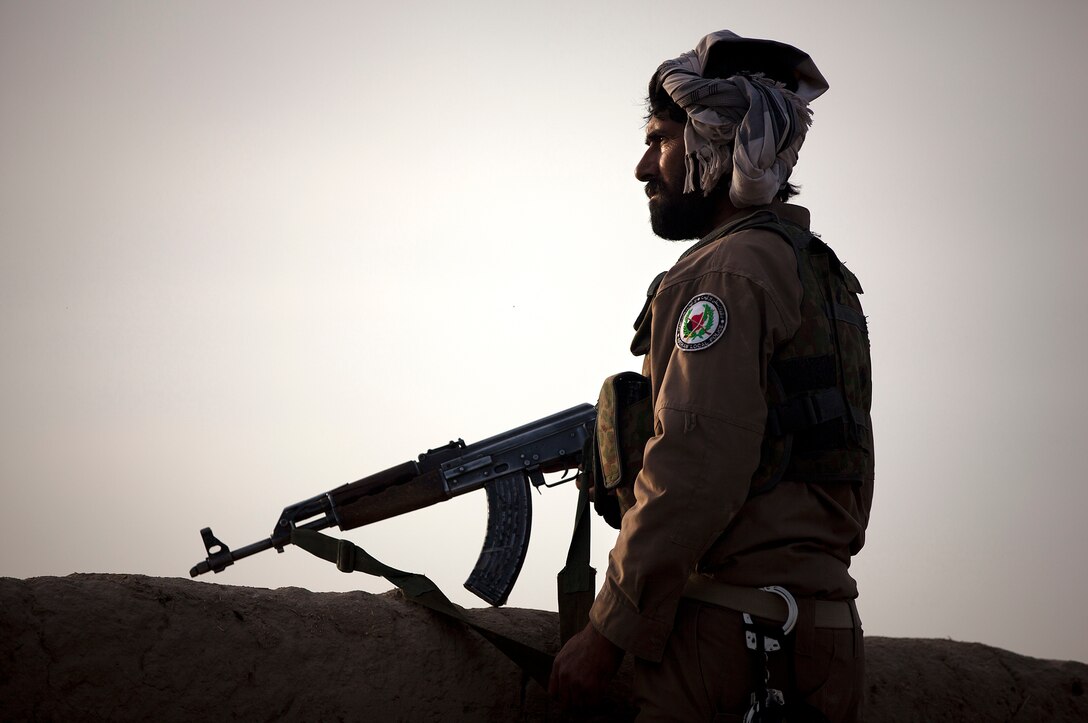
{"x": 583, "y": 668}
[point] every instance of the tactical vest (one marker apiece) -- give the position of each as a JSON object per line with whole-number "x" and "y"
{"x": 819, "y": 396}
{"x": 820, "y": 381}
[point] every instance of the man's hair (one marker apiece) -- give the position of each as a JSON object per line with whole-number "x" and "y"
{"x": 659, "y": 104}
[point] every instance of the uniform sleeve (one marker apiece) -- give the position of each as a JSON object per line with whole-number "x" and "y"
{"x": 709, "y": 416}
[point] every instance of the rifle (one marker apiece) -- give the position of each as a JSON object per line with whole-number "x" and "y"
{"x": 504, "y": 466}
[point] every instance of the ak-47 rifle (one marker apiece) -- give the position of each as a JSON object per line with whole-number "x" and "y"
{"x": 504, "y": 465}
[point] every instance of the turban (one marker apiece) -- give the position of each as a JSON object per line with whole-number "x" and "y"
{"x": 751, "y": 124}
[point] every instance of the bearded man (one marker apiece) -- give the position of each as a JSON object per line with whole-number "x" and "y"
{"x": 729, "y": 580}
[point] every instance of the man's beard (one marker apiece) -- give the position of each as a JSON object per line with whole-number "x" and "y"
{"x": 682, "y": 216}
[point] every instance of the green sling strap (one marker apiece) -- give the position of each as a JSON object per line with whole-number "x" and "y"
{"x": 419, "y": 589}
{"x": 577, "y": 580}
{"x": 576, "y": 583}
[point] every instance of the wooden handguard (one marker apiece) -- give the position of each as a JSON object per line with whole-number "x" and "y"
{"x": 396, "y": 498}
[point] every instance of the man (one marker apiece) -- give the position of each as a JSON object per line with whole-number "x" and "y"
{"x": 760, "y": 469}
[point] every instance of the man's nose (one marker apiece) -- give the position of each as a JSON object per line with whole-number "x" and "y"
{"x": 646, "y": 168}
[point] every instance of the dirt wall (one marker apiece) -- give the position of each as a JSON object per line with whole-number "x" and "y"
{"x": 133, "y": 648}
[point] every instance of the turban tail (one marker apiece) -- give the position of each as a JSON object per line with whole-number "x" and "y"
{"x": 748, "y": 126}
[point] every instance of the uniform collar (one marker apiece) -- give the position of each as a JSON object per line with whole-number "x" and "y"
{"x": 798, "y": 215}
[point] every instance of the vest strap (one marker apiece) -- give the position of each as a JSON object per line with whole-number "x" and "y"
{"x": 806, "y": 411}
{"x": 842, "y": 312}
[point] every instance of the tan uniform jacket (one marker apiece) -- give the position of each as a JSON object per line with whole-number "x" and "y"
{"x": 691, "y": 509}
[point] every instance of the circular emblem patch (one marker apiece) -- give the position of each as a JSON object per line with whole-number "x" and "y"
{"x": 702, "y": 322}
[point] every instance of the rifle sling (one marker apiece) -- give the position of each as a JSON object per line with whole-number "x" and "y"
{"x": 577, "y": 580}
{"x": 348, "y": 557}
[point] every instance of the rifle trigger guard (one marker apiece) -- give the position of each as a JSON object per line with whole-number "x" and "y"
{"x": 564, "y": 479}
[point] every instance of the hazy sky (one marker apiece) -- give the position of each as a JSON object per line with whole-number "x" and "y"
{"x": 250, "y": 251}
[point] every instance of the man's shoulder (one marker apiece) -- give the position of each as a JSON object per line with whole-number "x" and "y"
{"x": 750, "y": 248}
{"x": 779, "y": 219}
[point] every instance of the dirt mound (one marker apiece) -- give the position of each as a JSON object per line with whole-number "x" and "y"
{"x": 128, "y": 647}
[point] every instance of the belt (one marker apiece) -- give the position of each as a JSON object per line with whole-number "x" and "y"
{"x": 841, "y": 614}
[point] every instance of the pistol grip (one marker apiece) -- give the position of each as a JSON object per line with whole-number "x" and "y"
{"x": 509, "y": 524}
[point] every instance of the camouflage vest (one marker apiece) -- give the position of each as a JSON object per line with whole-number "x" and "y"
{"x": 820, "y": 381}
{"x": 818, "y": 401}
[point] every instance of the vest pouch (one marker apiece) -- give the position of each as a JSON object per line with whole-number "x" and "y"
{"x": 624, "y": 425}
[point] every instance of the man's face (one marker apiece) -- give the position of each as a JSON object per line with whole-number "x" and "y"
{"x": 674, "y": 215}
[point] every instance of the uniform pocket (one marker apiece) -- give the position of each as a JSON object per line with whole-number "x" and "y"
{"x": 831, "y": 679}
{"x": 723, "y": 663}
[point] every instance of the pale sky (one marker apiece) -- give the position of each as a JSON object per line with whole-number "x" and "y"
{"x": 250, "y": 251}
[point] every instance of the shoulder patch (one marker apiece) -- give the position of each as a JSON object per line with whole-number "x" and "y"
{"x": 702, "y": 322}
